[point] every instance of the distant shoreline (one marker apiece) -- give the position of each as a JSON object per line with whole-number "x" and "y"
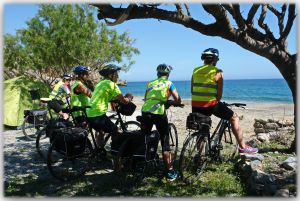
{"x": 224, "y": 79}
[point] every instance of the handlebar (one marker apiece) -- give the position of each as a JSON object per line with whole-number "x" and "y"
{"x": 173, "y": 103}
{"x": 76, "y": 108}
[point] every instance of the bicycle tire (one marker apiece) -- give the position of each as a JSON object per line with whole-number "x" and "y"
{"x": 132, "y": 126}
{"x": 191, "y": 162}
{"x": 229, "y": 147}
{"x": 173, "y": 136}
{"x": 76, "y": 166}
{"x": 42, "y": 144}
{"x": 29, "y": 130}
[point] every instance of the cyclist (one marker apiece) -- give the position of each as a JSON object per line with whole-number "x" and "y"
{"x": 80, "y": 91}
{"x": 207, "y": 89}
{"x": 60, "y": 94}
{"x": 153, "y": 111}
{"x": 105, "y": 91}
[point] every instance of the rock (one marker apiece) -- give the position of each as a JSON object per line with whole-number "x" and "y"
{"x": 258, "y": 125}
{"x": 274, "y": 135}
{"x": 263, "y": 137}
{"x": 282, "y": 193}
{"x": 259, "y": 130}
{"x": 271, "y": 120}
{"x": 260, "y": 121}
{"x": 290, "y": 163}
{"x": 256, "y": 165}
{"x": 271, "y": 126}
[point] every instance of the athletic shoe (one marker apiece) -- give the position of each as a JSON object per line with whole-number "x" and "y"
{"x": 248, "y": 150}
{"x": 171, "y": 175}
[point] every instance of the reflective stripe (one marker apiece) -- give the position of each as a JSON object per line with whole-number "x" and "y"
{"x": 203, "y": 94}
{"x": 154, "y": 107}
{"x": 204, "y": 103}
{"x": 214, "y": 86}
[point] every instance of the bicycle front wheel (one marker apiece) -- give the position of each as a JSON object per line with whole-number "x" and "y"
{"x": 66, "y": 168}
{"x": 229, "y": 147}
{"x": 132, "y": 126}
{"x": 173, "y": 136}
{"x": 193, "y": 158}
{"x": 29, "y": 130}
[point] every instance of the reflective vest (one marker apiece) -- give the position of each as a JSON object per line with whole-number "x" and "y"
{"x": 204, "y": 86}
{"x": 157, "y": 94}
{"x": 78, "y": 99}
{"x": 57, "y": 93}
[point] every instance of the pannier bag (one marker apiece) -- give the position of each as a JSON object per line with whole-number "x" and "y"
{"x": 54, "y": 124}
{"x": 70, "y": 141}
{"x": 37, "y": 117}
{"x": 198, "y": 121}
{"x": 126, "y": 109}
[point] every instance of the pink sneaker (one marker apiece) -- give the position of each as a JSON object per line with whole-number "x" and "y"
{"x": 248, "y": 150}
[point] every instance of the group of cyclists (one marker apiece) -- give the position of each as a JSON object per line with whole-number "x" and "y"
{"x": 206, "y": 89}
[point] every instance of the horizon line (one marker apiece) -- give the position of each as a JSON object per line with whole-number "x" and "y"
{"x": 224, "y": 79}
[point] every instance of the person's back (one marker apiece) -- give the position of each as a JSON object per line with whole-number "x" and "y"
{"x": 207, "y": 91}
{"x": 153, "y": 112}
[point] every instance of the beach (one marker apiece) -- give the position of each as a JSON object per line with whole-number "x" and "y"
{"x": 253, "y": 110}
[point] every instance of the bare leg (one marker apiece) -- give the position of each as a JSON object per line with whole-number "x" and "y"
{"x": 167, "y": 157}
{"x": 237, "y": 131}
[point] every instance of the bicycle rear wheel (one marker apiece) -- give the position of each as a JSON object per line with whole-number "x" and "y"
{"x": 29, "y": 130}
{"x": 42, "y": 143}
{"x": 173, "y": 136}
{"x": 229, "y": 147}
{"x": 66, "y": 168}
{"x": 193, "y": 158}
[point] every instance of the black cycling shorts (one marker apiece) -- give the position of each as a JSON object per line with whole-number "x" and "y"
{"x": 103, "y": 123}
{"x": 161, "y": 123}
{"x": 56, "y": 105}
{"x": 219, "y": 110}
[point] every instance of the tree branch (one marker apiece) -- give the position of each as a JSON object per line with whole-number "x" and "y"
{"x": 263, "y": 25}
{"x": 187, "y": 9}
{"x": 179, "y": 9}
{"x": 252, "y": 13}
{"x": 290, "y": 21}
{"x": 238, "y": 17}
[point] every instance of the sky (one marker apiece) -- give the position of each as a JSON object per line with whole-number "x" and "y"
{"x": 170, "y": 43}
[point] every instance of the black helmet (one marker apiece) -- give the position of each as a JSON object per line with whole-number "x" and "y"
{"x": 81, "y": 70}
{"x": 210, "y": 53}
{"x": 109, "y": 69}
{"x": 164, "y": 69}
{"x": 67, "y": 76}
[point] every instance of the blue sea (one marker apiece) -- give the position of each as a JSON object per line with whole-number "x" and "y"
{"x": 250, "y": 90}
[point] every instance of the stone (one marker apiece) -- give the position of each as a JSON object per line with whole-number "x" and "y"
{"x": 271, "y": 120}
{"x": 282, "y": 193}
{"x": 256, "y": 165}
{"x": 258, "y": 125}
{"x": 271, "y": 126}
{"x": 251, "y": 157}
{"x": 263, "y": 137}
{"x": 290, "y": 163}
{"x": 260, "y": 121}
{"x": 259, "y": 130}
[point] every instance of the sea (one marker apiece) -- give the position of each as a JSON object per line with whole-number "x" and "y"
{"x": 247, "y": 90}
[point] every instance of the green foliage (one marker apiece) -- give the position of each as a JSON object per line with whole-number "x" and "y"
{"x": 62, "y": 36}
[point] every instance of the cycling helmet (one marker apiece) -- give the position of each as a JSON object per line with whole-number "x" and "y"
{"x": 67, "y": 76}
{"x": 81, "y": 70}
{"x": 164, "y": 69}
{"x": 109, "y": 69}
{"x": 210, "y": 53}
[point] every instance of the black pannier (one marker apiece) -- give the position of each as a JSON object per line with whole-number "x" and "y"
{"x": 198, "y": 121}
{"x": 71, "y": 141}
{"x": 36, "y": 117}
{"x": 54, "y": 124}
{"x": 138, "y": 144}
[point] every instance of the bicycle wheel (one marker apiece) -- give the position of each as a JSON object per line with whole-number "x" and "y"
{"x": 66, "y": 168}
{"x": 29, "y": 130}
{"x": 42, "y": 143}
{"x": 173, "y": 136}
{"x": 229, "y": 147}
{"x": 193, "y": 158}
{"x": 132, "y": 126}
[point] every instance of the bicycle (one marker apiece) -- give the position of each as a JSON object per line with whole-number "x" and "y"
{"x": 34, "y": 120}
{"x": 137, "y": 155}
{"x": 68, "y": 161}
{"x": 201, "y": 147}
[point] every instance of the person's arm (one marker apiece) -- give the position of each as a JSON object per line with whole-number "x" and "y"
{"x": 175, "y": 95}
{"x": 82, "y": 89}
{"x": 123, "y": 99}
{"x": 219, "y": 80}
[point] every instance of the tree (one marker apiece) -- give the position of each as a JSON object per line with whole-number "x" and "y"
{"x": 62, "y": 36}
{"x": 251, "y": 32}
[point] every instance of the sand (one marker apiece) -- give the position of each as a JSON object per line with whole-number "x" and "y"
{"x": 253, "y": 110}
